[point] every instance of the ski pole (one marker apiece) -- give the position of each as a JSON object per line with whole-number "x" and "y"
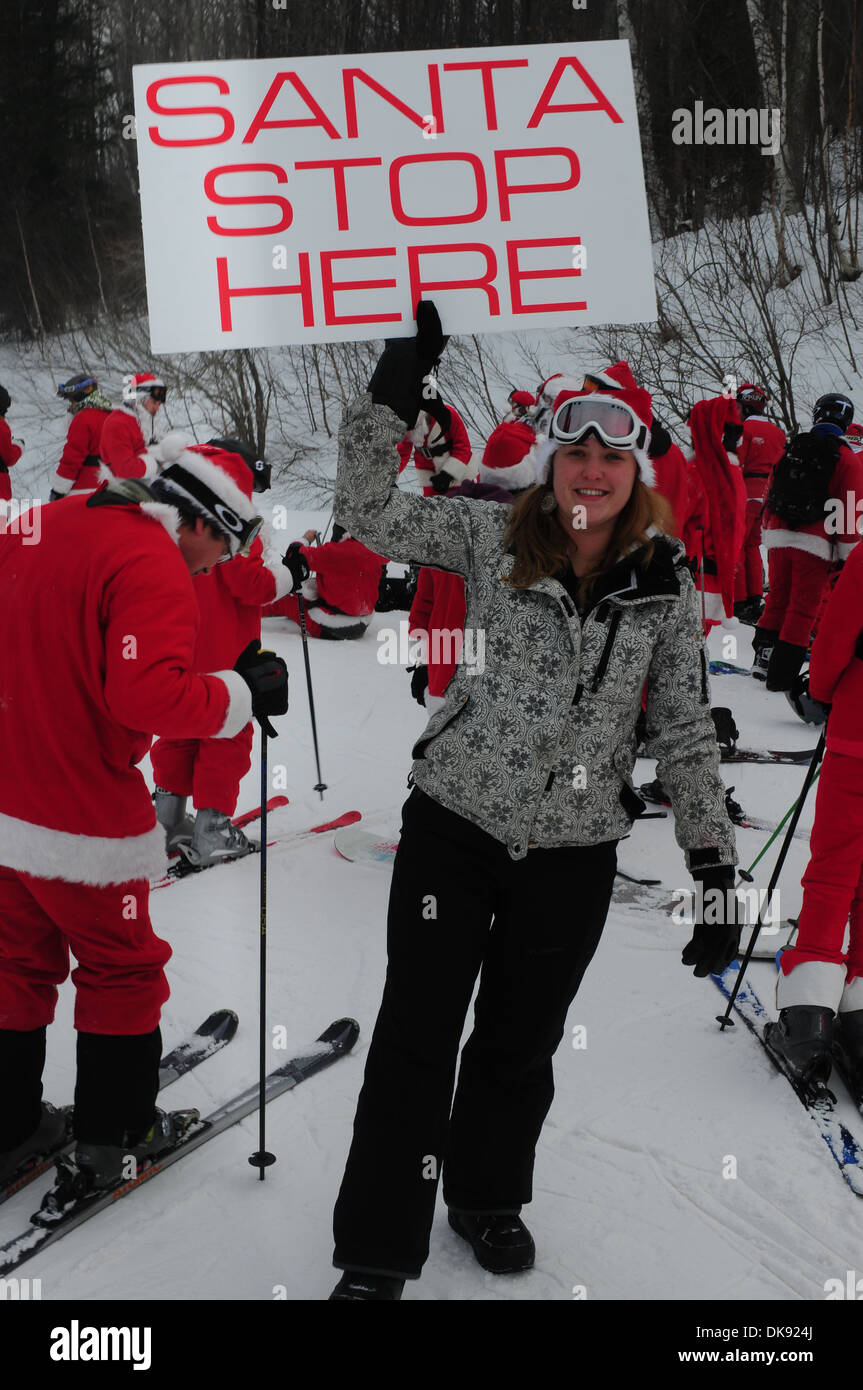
{"x": 321, "y": 785}
{"x": 725, "y": 1020}
{"x": 261, "y": 1159}
{"x": 746, "y": 874}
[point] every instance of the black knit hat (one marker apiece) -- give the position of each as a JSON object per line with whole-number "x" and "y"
{"x": 5, "y": 400}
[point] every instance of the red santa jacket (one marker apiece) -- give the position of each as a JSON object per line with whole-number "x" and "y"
{"x": 230, "y": 599}
{"x": 834, "y": 536}
{"x": 124, "y": 448}
{"x": 761, "y": 446}
{"x": 101, "y": 616}
{"x": 456, "y": 457}
{"x": 836, "y": 667}
{"x": 507, "y": 460}
{"x": 672, "y": 481}
{"x": 78, "y": 469}
{"x": 9, "y": 456}
{"x": 346, "y": 584}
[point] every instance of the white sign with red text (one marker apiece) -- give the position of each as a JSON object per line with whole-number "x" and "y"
{"x": 317, "y": 200}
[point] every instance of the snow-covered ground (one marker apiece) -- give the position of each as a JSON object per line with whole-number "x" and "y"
{"x": 631, "y": 1199}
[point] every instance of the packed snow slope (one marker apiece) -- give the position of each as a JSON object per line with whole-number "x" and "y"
{"x": 632, "y": 1198}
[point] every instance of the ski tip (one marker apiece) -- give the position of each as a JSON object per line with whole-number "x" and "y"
{"x": 222, "y": 1024}
{"x": 341, "y": 1035}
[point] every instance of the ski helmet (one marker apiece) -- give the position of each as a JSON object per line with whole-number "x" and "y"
{"x": 142, "y": 384}
{"x": 261, "y": 471}
{"x": 833, "y": 409}
{"x": 751, "y": 399}
{"x": 77, "y": 388}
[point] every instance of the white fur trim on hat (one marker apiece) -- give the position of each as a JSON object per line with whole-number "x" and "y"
{"x": 216, "y": 479}
{"x": 514, "y": 477}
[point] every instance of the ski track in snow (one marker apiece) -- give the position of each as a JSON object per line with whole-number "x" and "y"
{"x": 629, "y": 1197}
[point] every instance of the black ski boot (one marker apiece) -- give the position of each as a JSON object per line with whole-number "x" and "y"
{"x": 502, "y": 1244}
{"x": 94, "y": 1168}
{"x": 727, "y": 732}
{"x": 784, "y": 666}
{"x": 736, "y": 813}
{"x": 354, "y": 1287}
{"x": 802, "y": 1042}
{"x": 763, "y": 643}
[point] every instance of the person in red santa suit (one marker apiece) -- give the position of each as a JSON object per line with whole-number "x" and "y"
{"x": 230, "y": 598}
{"x": 805, "y": 536}
{"x": 130, "y": 437}
{"x": 715, "y": 427}
{"x": 820, "y": 988}
{"x": 441, "y": 450}
{"x": 10, "y": 449}
{"x": 761, "y": 446}
{"x": 507, "y": 454}
{"x": 340, "y": 591}
{"x": 102, "y": 617}
{"x": 80, "y": 462}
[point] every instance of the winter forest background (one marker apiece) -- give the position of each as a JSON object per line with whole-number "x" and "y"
{"x": 757, "y": 257}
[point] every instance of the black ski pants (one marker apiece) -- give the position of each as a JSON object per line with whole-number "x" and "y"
{"x": 460, "y": 905}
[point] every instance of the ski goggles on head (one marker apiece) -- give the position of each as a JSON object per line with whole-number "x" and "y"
{"x": 239, "y": 531}
{"x": 615, "y": 423}
{"x": 159, "y": 393}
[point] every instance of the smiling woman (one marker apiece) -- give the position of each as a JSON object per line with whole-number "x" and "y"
{"x": 522, "y": 786}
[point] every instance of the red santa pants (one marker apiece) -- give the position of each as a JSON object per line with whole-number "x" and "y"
{"x": 120, "y": 981}
{"x": 207, "y": 769}
{"x": 833, "y": 881}
{"x": 288, "y": 607}
{"x": 749, "y": 577}
{"x": 797, "y": 581}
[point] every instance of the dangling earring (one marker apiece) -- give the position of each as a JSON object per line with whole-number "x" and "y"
{"x": 549, "y": 502}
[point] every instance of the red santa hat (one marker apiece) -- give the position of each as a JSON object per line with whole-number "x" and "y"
{"x": 139, "y": 384}
{"x": 639, "y": 402}
{"x": 507, "y": 461}
{"x": 521, "y": 398}
{"x": 618, "y": 377}
{"x": 214, "y": 482}
{"x": 554, "y": 384}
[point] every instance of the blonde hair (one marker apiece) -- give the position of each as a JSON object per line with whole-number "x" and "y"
{"x": 542, "y": 550}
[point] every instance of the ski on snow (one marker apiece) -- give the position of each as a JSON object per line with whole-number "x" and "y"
{"x": 210, "y": 1037}
{"x": 181, "y": 870}
{"x": 840, "y": 1141}
{"x": 770, "y": 755}
{"x": 335, "y": 1042}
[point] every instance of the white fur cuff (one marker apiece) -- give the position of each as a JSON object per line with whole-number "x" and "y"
{"x": 239, "y": 710}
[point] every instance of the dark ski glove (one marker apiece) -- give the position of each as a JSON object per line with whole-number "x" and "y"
{"x": 55, "y": 496}
{"x": 294, "y": 560}
{"x": 266, "y": 675}
{"x": 716, "y": 939}
{"x": 441, "y": 481}
{"x": 419, "y": 683}
{"x": 399, "y": 379}
{"x": 660, "y": 439}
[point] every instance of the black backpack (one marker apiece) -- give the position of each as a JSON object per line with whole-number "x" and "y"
{"x": 801, "y": 479}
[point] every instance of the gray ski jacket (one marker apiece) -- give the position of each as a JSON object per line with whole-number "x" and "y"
{"x": 535, "y": 743}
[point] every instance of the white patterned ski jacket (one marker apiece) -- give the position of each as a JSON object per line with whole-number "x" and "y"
{"x": 536, "y": 745}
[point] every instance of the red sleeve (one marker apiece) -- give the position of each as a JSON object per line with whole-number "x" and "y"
{"x": 249, "y": 579}
{"x": 672, "y": 483}
{"x": 9, "y": 452}
{"x": 847, "y": 480}
{"x": 460, "y": 449}
{"x": 421, "y": 608}
{"x": 122, "y": 446}
{"x": 150, "y": 619}
{"x": 76, "y": 448}
{"x": 838, "y": 630}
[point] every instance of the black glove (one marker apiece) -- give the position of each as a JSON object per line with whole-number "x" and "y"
{"x": 54, "y": 496}
{"x": 660, "y": 439}
{"x": 441, "y": 481}
{"x": 398, "y": 379}
{"x": 419, "y": 683}
{"x": 266, "y": 675}
{"x": 294, "y": 560}
{"x": 731, "y": 438}
{"x": 715, "y": 940}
